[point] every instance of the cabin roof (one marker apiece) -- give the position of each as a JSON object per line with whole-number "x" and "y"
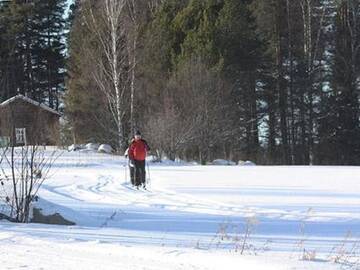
{"x": 31, "y": 101}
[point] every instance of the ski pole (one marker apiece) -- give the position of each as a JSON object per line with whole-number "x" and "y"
{"x": 148, "y": 175}
{"x": 126, "y": 181}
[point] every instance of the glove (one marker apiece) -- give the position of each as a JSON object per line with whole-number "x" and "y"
{"x": 131, "y": 163}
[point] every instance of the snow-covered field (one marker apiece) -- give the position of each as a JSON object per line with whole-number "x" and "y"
{"x": 192, "y": 217}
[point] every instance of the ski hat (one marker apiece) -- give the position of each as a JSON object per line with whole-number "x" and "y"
{"x": 137, "y": 133}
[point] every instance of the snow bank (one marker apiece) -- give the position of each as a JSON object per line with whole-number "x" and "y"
{"x": 105, "y": 148}
{"x": 223, "y": 162}
{"x": 167, "y": 162}
{"x": 85, "y": 147}
{"x": 75, "y": 147}
{"x": 246, "y": 163}
{"x": 92, "y": 146}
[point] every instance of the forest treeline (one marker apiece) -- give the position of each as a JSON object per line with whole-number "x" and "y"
{"x": 272, "y": 81}
{"x": 32, "y": 50}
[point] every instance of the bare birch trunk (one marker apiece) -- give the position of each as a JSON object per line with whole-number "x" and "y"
{"x": 108, "y": 27}
{"x": 113, "y": 16}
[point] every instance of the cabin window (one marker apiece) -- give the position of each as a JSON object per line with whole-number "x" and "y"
{"x": 20, "y": 135}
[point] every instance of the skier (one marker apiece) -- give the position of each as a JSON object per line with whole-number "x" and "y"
{"x": 137, "y": 152}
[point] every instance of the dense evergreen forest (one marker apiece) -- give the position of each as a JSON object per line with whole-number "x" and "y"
{"x": 32, "y": 50}
{"x": 272, "y": 81}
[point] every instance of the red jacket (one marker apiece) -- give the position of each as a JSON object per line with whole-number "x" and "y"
{"x": 138, "y": 149}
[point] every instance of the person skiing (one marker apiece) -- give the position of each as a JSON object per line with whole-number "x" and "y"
{"x": 137, "y": 152}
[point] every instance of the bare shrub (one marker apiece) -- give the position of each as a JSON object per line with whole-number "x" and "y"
{"x": 305, "y": 254}
{"x": 22, "y": 172}
{"x": 192, "y": 121}
{"x": 238, "y": 238}
{"x": 347, "y": 252}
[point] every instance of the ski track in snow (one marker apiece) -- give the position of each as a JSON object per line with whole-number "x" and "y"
{"x": 179, "y": 216}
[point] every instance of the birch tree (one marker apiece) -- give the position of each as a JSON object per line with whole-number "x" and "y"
{"x": 105, "y": 21}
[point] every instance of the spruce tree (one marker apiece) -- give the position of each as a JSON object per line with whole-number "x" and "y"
{"x": 33, "y": 49}
{"x": 49, "y": 50}
{"x": 345, "y": 82}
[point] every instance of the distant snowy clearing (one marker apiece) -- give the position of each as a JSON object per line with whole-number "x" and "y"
{"x": 192, "y": 217}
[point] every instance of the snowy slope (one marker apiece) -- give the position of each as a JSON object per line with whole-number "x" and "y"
{"x": 193, "y": 217}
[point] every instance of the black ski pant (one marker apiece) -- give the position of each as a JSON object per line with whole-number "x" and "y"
{"x": 138, "y": 173}
{"x": 132, "y": 174}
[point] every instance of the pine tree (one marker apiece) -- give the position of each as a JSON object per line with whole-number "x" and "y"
{"x": 16, "y": 75}
{"x": 34, "y": 37}
{"x": 272, "y": 26}
{"x": 49, "y": 50}
{"x": 241, "y": 51}
{"x": 345, "y": 82}
{"x": 6, "y": 45}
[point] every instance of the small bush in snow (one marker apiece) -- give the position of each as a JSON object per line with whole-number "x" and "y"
{"x": 309, "y": 255}
{"x": 347, "y": 252}
{"x": 238, "y": 236}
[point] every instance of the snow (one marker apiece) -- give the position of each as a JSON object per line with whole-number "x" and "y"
{"x": 192, "y": 217}
{"x": 223, "y": 162}
{"x": 105, "y": 148}
{"x": 75, "y": 147}
{"x": 92, "y": 146}
{"x": 246, "y": 163}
